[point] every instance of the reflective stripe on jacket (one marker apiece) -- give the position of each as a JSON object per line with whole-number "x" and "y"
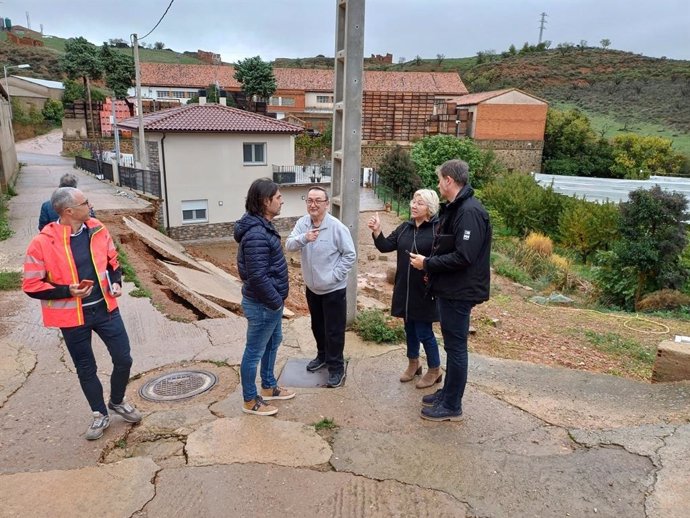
{"x": 49, "y": 263}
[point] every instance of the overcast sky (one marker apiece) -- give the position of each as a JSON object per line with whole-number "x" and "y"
{"x": 406, "y": 28}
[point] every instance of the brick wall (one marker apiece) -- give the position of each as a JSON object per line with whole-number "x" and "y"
{"x": 510, "y": 122}
{"x": 395, "y": 116}
{"x": 223, "y": 230}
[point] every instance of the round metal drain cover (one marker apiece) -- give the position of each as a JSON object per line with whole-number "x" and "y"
{"x": 178, "y": 385}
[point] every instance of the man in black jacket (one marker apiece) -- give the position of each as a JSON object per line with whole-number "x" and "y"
{"x": 459, "y": 271}
{"x": 264, "y": 273}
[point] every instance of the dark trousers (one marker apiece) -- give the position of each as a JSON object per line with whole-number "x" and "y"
{"x": 111, "y": 329}
{"x": 455, "y": 326}
{"x": 328, "y": 318}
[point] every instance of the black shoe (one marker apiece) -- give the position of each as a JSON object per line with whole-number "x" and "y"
{"x": 433, "y": 399}
{"x": 335, "y": 379}
{"x": 440, "y": 413}
{"x": 315, "y": 364}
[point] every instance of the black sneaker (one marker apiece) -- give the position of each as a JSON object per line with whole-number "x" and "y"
{"x": 315, "y": 364}
{"x": 440, "y": 413}
{"x": 432, "y": 399}
{"x": 336, "y": 379}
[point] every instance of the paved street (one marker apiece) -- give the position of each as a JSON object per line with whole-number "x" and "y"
{"x": 535, "y": 440}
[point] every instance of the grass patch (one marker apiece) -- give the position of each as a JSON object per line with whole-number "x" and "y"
{"x": 374, "y": 326}
{"x": 5, "y": 230}
{"x": 220, "y": 363}
{"x": 122, "y": 444}
{"x": 10, "y": 281}
{"x": 129, "y": 275}
{"x": 326, "y": 423}
{"x": 610, "y": 127}
{"x": 641, "y": 357}
{"x": 505, "y": 267}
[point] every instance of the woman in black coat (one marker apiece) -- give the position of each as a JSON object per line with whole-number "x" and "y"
{"x": 410, "y": 299}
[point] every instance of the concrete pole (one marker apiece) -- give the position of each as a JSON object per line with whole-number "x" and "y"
{"x": 347, "y": 127}
{"x": 143, "y": 157}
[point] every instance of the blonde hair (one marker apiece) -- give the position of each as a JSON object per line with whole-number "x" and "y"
{"x": 429, "y": 197}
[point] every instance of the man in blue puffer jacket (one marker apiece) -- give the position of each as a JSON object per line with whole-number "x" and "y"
{"x": 264, "y": 273}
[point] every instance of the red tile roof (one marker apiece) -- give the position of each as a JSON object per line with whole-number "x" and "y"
{"x": 479, "y": 97}
{"x": 307, "y": 79}
{"x": 188, "y": 76}
{"x": 210, "y": 118}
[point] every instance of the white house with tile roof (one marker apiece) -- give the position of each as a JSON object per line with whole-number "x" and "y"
{"x": 208, "y": 155}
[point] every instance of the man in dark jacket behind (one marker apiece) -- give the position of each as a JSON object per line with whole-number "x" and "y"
{"x": 264, "y": 273}
{"x": 459, "y": 271}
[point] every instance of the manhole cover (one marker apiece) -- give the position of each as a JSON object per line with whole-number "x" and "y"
{"x": 178, "y": 385}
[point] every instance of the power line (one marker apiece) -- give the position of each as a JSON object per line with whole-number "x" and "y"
{"x": 159, "y": 21}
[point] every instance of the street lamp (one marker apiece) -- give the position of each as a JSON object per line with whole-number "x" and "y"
{"x": 7, "y": 87}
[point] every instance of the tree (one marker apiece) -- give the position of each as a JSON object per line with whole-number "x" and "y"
{"x": 647, "y": 256}
{"x": 256, "y": 77}
{"x": 82, "y": 60}
{"x": 605, "y": 43}
{"x": 159, "y": 45}
{"x": 119, "y": 71}
{"x": 398, "y": 172}
{"x": 512, "y": 50}
{"x": 636, "y": 156}
{"x": 440, "y": 58}
{"x": 571, "y": 147}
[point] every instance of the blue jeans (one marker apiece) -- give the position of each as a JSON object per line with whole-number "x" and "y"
{"x": 264, "y": 334}
{"x": 416, "y": 332}
{"x": 111, "y": 329}
{"x": 455, "y": 326}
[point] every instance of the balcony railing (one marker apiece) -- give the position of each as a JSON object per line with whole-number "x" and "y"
{"x": 301, "y": 174}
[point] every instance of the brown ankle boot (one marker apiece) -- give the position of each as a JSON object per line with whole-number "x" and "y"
{"x": 431, "y": 377}
{"x": 413, "y": 369}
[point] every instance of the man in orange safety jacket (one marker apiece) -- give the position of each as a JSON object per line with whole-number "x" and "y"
{"x": 72, "y": 267}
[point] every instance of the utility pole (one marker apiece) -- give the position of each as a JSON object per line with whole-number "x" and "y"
{"x": 143, "y": 159}
{"x": 541, "y": 26}
{"x": 347, "y": 127}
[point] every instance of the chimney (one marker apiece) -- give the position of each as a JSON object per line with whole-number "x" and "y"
{"x": 202, "y": 97}
{"x": 223, "y": 98}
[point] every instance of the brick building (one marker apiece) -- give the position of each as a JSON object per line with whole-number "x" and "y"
{"x": 510, "y": 122}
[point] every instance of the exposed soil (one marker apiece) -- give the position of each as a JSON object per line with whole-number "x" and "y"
{"x": 507, "y": 326}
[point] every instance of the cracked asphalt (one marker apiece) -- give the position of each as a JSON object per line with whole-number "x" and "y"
{"x": 536, "y": 441}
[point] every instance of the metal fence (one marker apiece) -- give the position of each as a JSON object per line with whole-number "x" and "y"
{"x": 301, "y": 174}
{"x": 148, "y": 182}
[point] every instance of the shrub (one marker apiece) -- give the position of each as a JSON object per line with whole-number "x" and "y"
{"x": 372, "y": 325}
{"x": 397, "y": 171}
{"x": 561, "y": 276}
{"x": 587, "y": 227}
{"x": 539, "y": 243}
{"x": 524, "y": 205}
{"x": 431, "y": 152}
{"x": 5, "y": 230}
{"x": 663, "y": 300}
{"x": 615, "y": 283}
{"x": 53, "y": 111}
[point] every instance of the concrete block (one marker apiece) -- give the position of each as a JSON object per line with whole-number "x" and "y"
{"x": 672, "y": 362}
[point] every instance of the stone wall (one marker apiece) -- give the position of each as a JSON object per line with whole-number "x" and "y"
{"x": 223, "y": 230}
{"x": 75, "y": 145}
{"x": 516, "y": 155}
{"x": 373, "y": 153}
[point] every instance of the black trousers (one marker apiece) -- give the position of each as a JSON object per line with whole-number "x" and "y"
{"x": 328, "y": 318}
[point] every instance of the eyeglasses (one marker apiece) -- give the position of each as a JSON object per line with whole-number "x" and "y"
{"x": 85, "y": 202}
{"x": 315, "y": 202}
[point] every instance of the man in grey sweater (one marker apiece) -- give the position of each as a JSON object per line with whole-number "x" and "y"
{"x": 328, "y": 255}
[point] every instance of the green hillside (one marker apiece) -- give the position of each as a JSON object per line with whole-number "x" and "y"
{"x": 619, "y": 91}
